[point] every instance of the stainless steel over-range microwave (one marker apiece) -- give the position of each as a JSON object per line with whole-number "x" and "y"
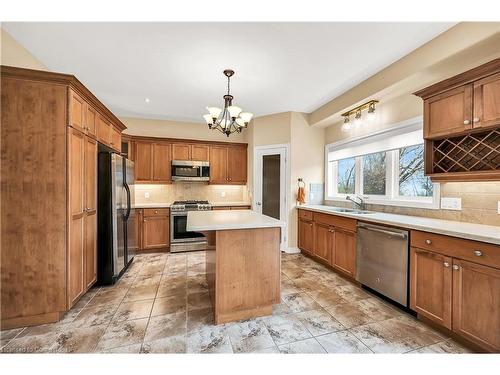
{"x": 185, "y": 170}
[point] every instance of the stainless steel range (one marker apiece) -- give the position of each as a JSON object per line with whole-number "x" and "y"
{"x": 180, "y": 238}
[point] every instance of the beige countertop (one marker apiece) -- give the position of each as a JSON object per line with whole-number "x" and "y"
{"x": 470, "y": 231}
{"x": 225, "y": 220}
{"x": 215, "y": 204}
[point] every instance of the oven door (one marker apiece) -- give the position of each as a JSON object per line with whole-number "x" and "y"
{"x": 178, "y": 232}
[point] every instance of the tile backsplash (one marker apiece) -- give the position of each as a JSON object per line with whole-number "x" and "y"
{"x": 185, "y": 191}
{"x": 479, "y": 203}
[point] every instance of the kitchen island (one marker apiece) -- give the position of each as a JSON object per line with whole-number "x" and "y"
{"x": 242, "y": 262}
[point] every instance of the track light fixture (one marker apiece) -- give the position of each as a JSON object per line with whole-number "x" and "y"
{"x": 357, "y": 112}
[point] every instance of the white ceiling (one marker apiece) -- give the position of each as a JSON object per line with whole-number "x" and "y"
{"x": 279, "y": 66}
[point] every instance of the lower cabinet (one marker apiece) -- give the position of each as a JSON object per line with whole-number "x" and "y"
{"x": 153, "y": 228}
{"x": 430, "y": 285}
{"x": 330, "y": 239}
{"x": 476, "y": 303}
{"x": 344, "y": 252}
{"x": 306, "y": 236}
{"x": 90, "y": 249}
{"x": 459, "y": 295}
{"x": 324, "y": 237}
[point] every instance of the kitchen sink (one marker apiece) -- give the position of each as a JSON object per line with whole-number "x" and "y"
{"x": 351, "y": 211}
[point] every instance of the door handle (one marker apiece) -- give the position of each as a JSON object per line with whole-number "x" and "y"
{"x": 394, "y": 234}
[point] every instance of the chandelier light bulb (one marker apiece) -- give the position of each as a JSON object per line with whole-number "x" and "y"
{"x": 209, "y": 119}
{"x": 240, "y": 122}
{"x": 214, "y": 112}
{"x": 346, "y": 126}
{"x": 234, "y": 111}
{"x": 246, "y": 117}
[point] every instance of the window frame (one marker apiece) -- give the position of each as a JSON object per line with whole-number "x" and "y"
{"x": 392, "y": 197}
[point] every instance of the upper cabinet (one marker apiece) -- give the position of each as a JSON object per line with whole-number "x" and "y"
{"x": 153, "y": 159}
{"x": 448, "y": 113}
{"x": 462, "y": 125}
{"x": 228, "y": 165}
{"x": 85, "y": 118}
{"x": 184, "y": 151}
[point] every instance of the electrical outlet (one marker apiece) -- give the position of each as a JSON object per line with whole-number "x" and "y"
{"x": 222, "y": 194}
{"x": 451, "y": 204}
{"x": 498, "y": 207}
{"x": 146, "y": 195}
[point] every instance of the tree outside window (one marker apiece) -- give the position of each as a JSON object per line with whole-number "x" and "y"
{"x": 374, "y": 173}
{"x": 346, "y": 176}
{"x": 412, "y": 181}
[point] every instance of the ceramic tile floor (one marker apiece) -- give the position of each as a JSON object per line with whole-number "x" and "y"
{"x": 161, "y": 305}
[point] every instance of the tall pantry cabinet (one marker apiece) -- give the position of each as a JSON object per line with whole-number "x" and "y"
{"x": 49, "y": 139}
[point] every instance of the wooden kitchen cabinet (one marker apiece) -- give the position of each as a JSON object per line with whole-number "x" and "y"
{"x": 218, "y": 165}
{"x": 237, "y": 165}
{"x": 459, "y": 294}
{"x": 155, "y": 228}
{"x": 343, "y": 255}
{"x": 461, "y": 125}
{"x": 181, "y": 151}
{"x": 76, "y": 171}
{"x": 185, "y": 151}
{"x": 77, "y": 112}
{"x": 162, "y": 163}
{"x": 431, "y": 285}
{"x": 228, "y": 165}
{"x": 448, "y": 113}
{"x": 143, "y": 161}
{"x": 476, "y": 303}
{"x": 306, "y": 236}
{"x": 56, "y": 242}
{"x": 324, "y": 237}
{"x": 200, "y": 152}
{"x": 103, "y": 130}
{"x": 115, "y": 139}
{"x": 91, "y": 121}
{"x": 487, "y": 102}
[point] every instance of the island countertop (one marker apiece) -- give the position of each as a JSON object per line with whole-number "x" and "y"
{"x": 198, "y": 221}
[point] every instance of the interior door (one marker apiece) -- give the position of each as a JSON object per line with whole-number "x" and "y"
{"x": 270, "y": 185}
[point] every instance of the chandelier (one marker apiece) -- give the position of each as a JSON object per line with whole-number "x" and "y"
{"x": 230, "y": 119}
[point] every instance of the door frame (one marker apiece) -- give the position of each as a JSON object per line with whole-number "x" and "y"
{"x": 258, "y": 152}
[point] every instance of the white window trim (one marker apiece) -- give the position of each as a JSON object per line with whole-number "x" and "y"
{"x": 392, "y": 197}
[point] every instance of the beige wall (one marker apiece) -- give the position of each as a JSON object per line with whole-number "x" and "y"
{"x": 307, "y": 161}
{"x": 167, "y": 194}
{"x": 176, "y": 129}
{"x": 14, "y": 54}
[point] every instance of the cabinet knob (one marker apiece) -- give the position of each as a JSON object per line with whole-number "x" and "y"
{"x": 466, "y": 122}
{"x": 428, "y": 242}
{"x": 156, "y": 211}
{"x": 446, "y": 264}
{"x": 455, "y": 267}
{"x": 478, "y": 253}
{"x": 475, "y": 119}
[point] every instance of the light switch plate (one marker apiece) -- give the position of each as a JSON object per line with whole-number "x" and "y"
{"x": 146, "y": 195}
{"x": 222, "y": 194}
{"x": 451, "y": 204}
{"x": 498, "y": 207}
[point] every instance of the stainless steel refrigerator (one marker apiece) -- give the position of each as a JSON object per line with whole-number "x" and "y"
{"x": 116, "y": 217}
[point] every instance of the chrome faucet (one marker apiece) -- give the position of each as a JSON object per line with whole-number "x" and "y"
{"x": 356, "y": 204}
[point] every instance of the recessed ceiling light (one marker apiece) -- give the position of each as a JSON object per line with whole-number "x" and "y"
{"x": 147, "y": 100}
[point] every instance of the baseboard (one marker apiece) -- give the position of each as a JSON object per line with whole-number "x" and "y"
{"x": 292, "y": 250}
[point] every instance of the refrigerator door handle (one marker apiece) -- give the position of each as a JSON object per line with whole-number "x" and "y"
{"x": 126, "y": 216}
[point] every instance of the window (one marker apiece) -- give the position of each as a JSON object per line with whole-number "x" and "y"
{"x": 374, "y": 174}
{"x": 346, "y": 175}
{"x": 386, "y": 168}
{"x": 412, "y": 182}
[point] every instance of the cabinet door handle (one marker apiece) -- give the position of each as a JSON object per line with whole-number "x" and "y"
{"x": 478, "y": 253}
{"x": 455, "y": 267}
{"x": 446, "y": 264}
{"x": 475, "y": 119}
{"x": 428, "y": 242}
{"x": 466, "y": 122}
{"x": 144, "y": 220}
{"x": 156, "y": 211}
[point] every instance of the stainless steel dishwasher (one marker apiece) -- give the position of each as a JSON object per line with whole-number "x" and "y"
{"x": 382, "y": 260}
